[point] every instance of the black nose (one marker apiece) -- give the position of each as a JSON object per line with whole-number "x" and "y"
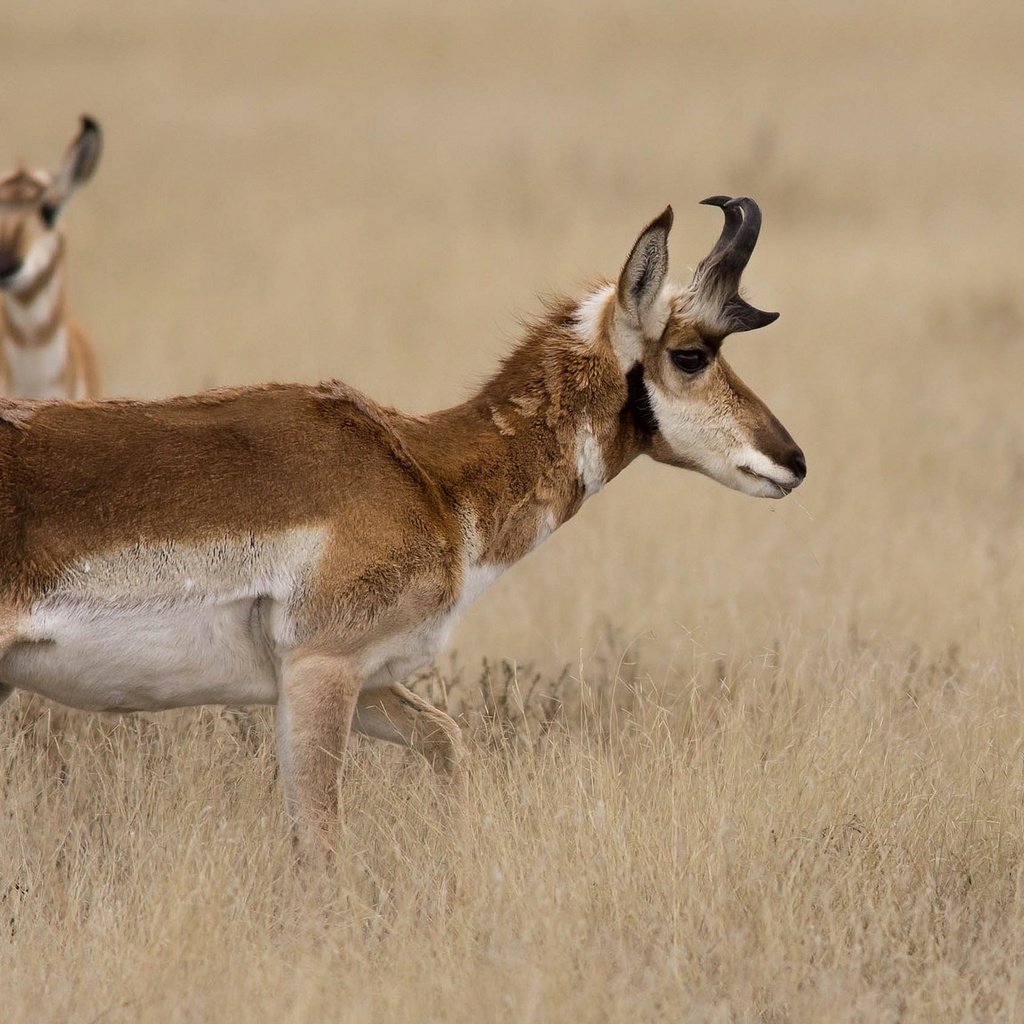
{"x": 9, "y": 265}
{"x": 796, "y": 463}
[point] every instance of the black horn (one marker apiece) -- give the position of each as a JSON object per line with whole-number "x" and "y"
{"x": 717, "y": 278}
{"x": 733, "y": 220}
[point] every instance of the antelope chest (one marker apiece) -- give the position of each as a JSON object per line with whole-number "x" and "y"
{"x": 393, "y": 659}
{"x": 39, "y": 371}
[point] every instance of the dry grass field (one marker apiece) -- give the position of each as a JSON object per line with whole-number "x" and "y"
{"x": 732, "y": 760}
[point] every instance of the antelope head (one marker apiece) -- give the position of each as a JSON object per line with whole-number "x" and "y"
{"x": 688, "y": 405}
{"x": 31, "y": 204}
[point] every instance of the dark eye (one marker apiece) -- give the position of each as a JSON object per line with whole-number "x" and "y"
{"x": 689, "y": 360}
{"x": 48, "y": 212}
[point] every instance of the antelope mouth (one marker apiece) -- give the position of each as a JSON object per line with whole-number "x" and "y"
{"x": 778, "y": 488}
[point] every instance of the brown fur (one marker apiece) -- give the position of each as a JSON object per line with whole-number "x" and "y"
{"x": 251, "y": 460}
{"x": 408, "y": 506}
{"x": 81, "y": 478}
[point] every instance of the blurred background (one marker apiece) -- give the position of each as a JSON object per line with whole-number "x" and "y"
{"x": 377, "y": 192}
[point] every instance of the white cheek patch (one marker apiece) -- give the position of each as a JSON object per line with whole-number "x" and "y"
{"x": 693, "y": 437}
{"x": 703, "y": 442}
{"x": 715, "y": 446}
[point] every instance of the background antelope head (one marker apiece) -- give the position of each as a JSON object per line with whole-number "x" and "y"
{"x": 692, "y": 408}
{"x": 31, "y": 204}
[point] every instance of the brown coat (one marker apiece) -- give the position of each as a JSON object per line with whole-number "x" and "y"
{"x": 306, "y": 546}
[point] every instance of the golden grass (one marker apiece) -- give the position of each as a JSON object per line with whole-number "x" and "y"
{"x": 825, "y": 837}
{"x": 787, "y": 785}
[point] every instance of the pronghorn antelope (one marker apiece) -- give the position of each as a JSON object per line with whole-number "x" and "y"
{"x": 305, "y": 547}
{"x": 43, "y": 352}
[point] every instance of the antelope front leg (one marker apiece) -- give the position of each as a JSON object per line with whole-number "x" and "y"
{"x": 314, "y": 715}
{"x": 397, "y": 715}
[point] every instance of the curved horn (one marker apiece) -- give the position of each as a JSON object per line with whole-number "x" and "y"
{"x": 717, "y": 276}
{"x": 731, "y": 254}
{"x": 733, "y": 220}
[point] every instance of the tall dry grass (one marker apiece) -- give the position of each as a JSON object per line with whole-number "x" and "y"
{"x": 785, "y": 783}
{"x": 834, "y": 834}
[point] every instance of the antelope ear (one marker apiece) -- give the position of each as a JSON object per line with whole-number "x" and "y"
{"x": 644, "y": 273}
{"x": 79, "y": 161}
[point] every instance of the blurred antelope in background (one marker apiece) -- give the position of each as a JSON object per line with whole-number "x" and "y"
{"x": 43, "y": 352}
{"x": 306, "y": 547}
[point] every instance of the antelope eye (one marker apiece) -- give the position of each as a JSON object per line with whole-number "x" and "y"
{"x": 48, "y": 213}
{"x": 689, "y": 360}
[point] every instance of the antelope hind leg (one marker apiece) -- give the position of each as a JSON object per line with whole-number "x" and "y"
{"x": 397, "y": 715}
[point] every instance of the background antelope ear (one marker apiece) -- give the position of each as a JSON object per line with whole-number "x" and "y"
{"x": 644, "y": 273}
{"x": 79, "y": 161}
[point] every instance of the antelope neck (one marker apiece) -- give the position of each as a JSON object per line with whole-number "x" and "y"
{"x": 33, "y": 315}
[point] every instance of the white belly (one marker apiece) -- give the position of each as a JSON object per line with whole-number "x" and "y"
{"x": 102, "y": 655}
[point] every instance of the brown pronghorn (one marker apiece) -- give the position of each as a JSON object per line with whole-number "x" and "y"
{"x": 306, "y": 547}
{"x": 43, "y": 352}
